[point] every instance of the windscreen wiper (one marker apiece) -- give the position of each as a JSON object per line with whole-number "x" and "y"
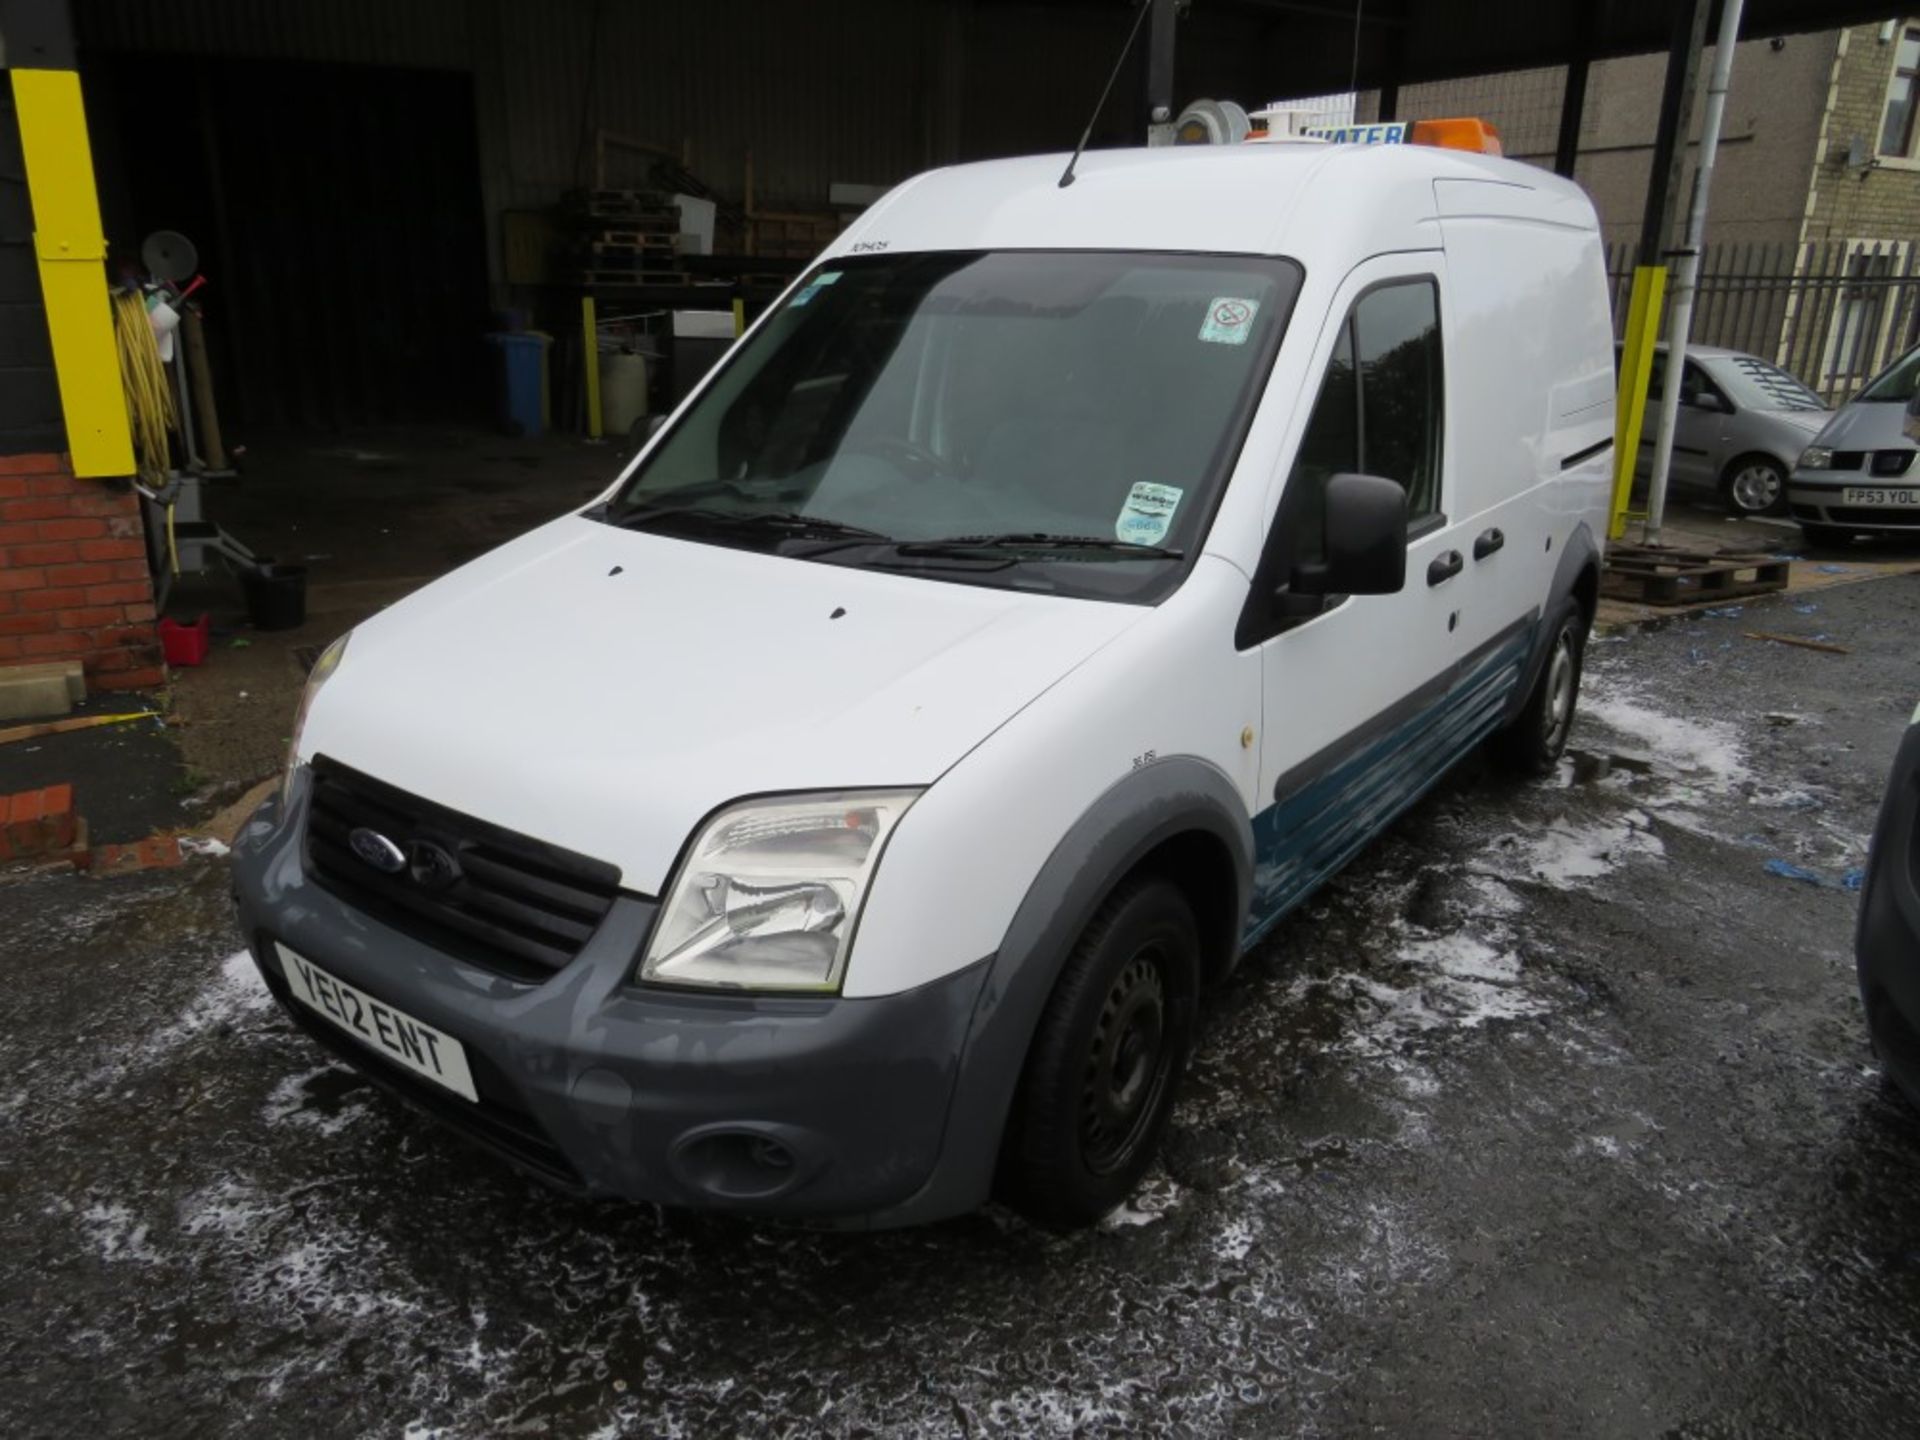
{"x": 1037, "y": 540}
{"x": 784, "y": 522}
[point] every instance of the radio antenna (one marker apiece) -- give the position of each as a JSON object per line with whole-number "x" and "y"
{"x": 1066, "y": 176}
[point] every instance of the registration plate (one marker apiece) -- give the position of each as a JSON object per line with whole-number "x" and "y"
{"x": 1855, "y": 495}
{"x": 404, "y": 1040}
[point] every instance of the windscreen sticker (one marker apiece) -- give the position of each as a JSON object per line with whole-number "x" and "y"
{"x": 1147, "y": 514}
{"x": 815, "y": 285}
{"x": 1229, "y": 320}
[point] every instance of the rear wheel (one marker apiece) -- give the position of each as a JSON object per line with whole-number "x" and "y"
{"x": 1754, "y": 485}
{"x": 1834, "y": 535}
{"x": 1099, "y": 1081}
{"x": 1537, "y": 738}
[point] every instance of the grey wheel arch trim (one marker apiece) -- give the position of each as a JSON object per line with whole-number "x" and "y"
{"x": 1578, "y": 554}
{"x": 1139, "y": 812}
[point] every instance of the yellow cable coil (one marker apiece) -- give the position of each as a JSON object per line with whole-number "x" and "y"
{"x": 144, "y": 378}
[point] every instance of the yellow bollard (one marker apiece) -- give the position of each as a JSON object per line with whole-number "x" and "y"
{"x": 590, "y": 364}
{"x": 71, "y": 251}
{"x": 1636, "y": 366}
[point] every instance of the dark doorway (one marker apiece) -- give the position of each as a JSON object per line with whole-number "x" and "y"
{"x": 336, "y": 210}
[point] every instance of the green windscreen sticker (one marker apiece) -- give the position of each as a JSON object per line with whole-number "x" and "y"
{"x": 1229, "y": 320}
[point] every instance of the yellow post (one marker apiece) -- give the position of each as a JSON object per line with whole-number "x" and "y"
{"x": 1636, "y": 367}
{"x": 739, "y": 317}
{"x": 73, "y": 283}
{"x": 590, "y": 334}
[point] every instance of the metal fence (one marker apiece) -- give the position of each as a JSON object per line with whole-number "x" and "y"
{"x": 1835, "y": 313}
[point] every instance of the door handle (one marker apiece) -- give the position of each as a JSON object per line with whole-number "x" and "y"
{"x": 1445, "y": 567}
{"x": 1488, "y": 541}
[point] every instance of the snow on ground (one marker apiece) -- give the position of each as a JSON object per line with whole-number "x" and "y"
{"x": 237, "y": 990}
{"x": 1697, "y": 751}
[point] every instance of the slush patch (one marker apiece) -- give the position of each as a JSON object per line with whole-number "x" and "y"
{"x": 815, "y": 286}
{"x": 1147, "y": 514}
{"x": 1229, "y": 321}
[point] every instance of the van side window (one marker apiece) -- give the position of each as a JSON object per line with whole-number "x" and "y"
{"x": 1398, "y": 330}
{"x": 1379, "y": 417}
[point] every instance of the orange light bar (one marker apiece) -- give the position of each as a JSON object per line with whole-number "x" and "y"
{"x": 1460, "y": 133}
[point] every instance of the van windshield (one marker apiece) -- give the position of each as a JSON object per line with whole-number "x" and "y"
{"x": 1047, "y": 420}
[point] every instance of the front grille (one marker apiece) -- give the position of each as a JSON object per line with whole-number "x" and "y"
{"x": 1848, "y": 460}
{"x": 516, "y": 905}
{"x": 1906, "y": 515}
{"x": 1892, "y": 462}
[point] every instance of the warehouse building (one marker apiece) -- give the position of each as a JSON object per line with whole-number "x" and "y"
{"x": 370, "y": 188}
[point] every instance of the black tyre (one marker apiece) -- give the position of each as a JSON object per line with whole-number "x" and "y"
{"x": 1537, "y": 738}
{"x": 1107, "y": 1056}
{"x": 1827, "y": 535}
{"x": 1754, "y": 485}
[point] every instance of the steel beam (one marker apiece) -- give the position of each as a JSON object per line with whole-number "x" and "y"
{"x": 1689, "y": 37}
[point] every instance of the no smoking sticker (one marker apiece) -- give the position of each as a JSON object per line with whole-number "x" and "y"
{"x": 1229, "y": 320}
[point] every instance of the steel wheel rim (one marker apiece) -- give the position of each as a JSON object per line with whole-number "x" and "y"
{"x": 1756, "y": 487}
{"x": 1128, "y": 1061}
{"x": 1560, "y": 672}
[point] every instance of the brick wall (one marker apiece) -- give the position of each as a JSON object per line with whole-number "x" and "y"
{"x": 73, "y": 574}
{"x": 1864, "y": 202}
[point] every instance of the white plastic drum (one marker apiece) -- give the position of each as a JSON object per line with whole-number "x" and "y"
{"x": 623, "y": 392}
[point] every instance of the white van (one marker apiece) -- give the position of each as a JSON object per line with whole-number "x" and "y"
{"x": 839, "y": 819}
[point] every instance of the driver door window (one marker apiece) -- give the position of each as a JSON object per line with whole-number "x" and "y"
{"x": 1378, "y": 413}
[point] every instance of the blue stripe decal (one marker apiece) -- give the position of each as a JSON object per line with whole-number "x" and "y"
{"x": 1305, "y": 838}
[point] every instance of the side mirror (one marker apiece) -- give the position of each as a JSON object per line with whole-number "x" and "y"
{"x": 1365, "y": 540}
{"x": 1710, "y": 402}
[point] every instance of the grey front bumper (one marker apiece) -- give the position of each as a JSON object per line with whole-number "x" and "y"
{"x": 1822, "y": 502}
{"x": 805, "y": 1108}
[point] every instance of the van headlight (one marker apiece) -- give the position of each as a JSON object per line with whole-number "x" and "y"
{"x": 768, "y": 896}
{"x": 1816, "y": 457}
{"x": 322, "y": 671}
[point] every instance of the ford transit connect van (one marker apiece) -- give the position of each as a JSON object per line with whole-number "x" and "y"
{"x": 839, "y": 819}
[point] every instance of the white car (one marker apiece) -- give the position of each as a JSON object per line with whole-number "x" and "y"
{"x": 841, "y": 818}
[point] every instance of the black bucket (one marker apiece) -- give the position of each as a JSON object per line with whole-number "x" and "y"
{"x": 276, "y": 596}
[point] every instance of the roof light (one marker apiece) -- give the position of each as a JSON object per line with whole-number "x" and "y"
{"x": 1458, "y": 133}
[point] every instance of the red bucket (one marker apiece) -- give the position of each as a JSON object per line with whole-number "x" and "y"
{"x": 185, "y": 644}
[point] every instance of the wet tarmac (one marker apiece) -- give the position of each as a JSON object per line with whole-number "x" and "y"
{"x": 1553, "y": 1115}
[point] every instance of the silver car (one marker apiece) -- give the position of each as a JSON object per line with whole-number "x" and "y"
{"x": 1742, "y": 424}
{"x": 1859, "y": 477}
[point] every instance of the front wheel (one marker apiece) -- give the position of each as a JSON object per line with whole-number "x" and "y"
{"x": 1537, "y": 738}
{"x": 1100, "y": 1078}
{"x": 1755, "y": 485}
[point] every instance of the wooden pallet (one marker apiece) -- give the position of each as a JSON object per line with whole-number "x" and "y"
{"x": 637, "y": 206}
{"x": 1687, "y": 577}
{"x": 602, "y": 276}
{"x": 612, "y": 254}
{"x": 663, "y": 234}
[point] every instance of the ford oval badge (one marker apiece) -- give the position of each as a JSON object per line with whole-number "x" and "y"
{"x": 378, "y": 851}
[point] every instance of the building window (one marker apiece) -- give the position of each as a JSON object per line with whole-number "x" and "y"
{"x": 1896, "y": 125}
{"x": 1861, "y": 338}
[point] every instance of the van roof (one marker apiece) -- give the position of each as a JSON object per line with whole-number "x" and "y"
{"x": 1323, "y": 203}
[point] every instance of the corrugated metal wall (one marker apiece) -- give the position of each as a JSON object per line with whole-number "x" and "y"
{"x": 429, "y": 34}
{"x": 830, "y": 90}
{"x": 822, "y": 91}
{"x": 30, "y": 416}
